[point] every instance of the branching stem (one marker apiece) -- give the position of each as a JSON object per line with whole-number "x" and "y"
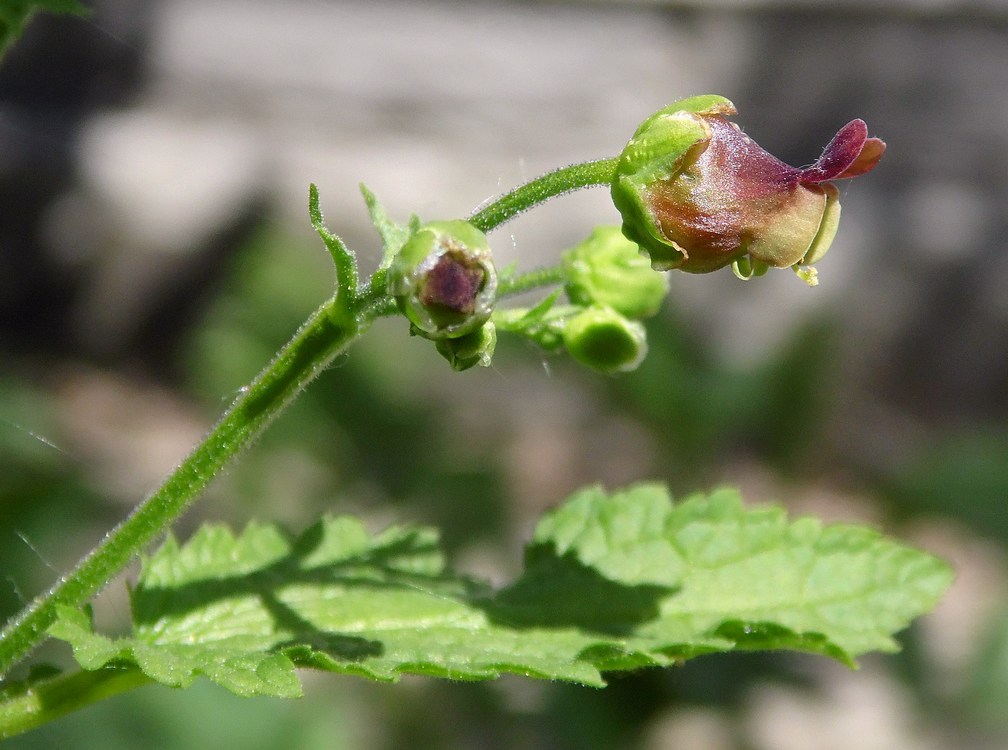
{"x": 534, "y": 279}
{"x": 330, "y": 330}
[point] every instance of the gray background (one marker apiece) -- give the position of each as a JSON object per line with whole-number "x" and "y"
{"x": 136, "y": 146}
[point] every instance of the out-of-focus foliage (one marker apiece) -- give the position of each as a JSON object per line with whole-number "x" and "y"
{"x": 962, "y": 472}
{"x": 14, "y": 14}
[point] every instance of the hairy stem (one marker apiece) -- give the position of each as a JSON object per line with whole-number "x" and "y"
{"x": 551, "y": 184}
{"x": 327, "y": 333}
{"x": 534, "y": 279}
{"x": 50, "y": 699}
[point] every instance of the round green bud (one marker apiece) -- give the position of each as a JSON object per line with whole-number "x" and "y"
{"x": 444, "y": 279}
{"x": 609, "y": 270}
{"x": 473, "y": 349}
{"x": 604, "y": 340}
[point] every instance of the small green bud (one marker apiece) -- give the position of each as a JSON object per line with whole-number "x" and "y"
{"x": 604, "y": 340}
{"x": 473, "y": 349}
{"x": 444, "y": 279}
{"x": 608, "y": 270}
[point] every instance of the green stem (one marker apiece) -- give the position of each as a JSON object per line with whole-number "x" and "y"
{"x": 558, "y": 182}
{"x": 327, "y": 333}
{"x": 534, "y": 279}
{"x": 47, "y": 700}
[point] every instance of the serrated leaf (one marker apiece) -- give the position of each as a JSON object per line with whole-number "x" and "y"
{"x": 746, "y": 573}
{"x": 236, "y": 663}
{"x": 611, "y": 582}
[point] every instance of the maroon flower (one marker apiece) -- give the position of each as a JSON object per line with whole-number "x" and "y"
{"x": 698, "y": 194}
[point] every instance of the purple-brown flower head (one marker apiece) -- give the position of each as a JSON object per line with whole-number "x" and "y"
{"x": 444, "y": 280}
{"x": 698, "y": 194}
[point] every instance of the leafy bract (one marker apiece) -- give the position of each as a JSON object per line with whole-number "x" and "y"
{"x": 393, "y": 235}
{"x": 611, "y": 582}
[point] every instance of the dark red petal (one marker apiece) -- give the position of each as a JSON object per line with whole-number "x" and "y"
{"x": 871, "y": 152}
{"x": 840, "y": 155}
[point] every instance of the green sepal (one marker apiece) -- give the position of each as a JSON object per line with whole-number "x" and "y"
{"x": 664, "y": 144}
{"x": 473, "y": 349}
{"x": 393, "y": 235}
{"x": 609, "y": 270}
{"x": 347, "y": 279}
{"x": 701, "y": 104}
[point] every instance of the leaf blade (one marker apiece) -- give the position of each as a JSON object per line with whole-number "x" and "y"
{"x": 612, "y": 581}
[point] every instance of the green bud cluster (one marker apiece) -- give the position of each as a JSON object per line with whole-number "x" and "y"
{"x": 615, "y": 287}
{"x": 610, "y": 287}
{"x": 694, "y": 192}
{"x": 609, "y": 270}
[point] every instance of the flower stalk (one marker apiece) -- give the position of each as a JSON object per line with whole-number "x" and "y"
{"x": 541, "y": 189}
{"x": 328, "y": 332}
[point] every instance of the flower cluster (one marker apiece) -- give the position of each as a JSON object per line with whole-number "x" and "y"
{"x": 695, "y": 193}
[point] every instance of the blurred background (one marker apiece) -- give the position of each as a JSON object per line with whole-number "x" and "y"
{"x": 155, "y": 251}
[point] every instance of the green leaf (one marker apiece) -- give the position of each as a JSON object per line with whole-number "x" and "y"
{"x": 14, "y": 14}
{"x": 393, "y": 235}
{"x": 542, "y": 324}
{"x": 611, "y": 582}
{"x": 343, "y": 258}
{"x": 236, "y": 663}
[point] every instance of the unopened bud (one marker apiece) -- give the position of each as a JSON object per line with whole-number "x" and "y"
{"x": 444, "y": 280}
{"x": 601, "y": 338}
{"x": 473, "y": 349}
{"x": 609, "y": 270}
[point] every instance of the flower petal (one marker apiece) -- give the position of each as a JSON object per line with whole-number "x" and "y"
{"x": 870, "y": 154}
{"x": 827, "y": 228}
{"x": 789, "y": 227}
{"x": 840, "y": 155}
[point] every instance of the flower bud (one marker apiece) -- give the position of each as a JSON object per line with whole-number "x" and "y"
{"x": 472, "y": 349}
{"x": 698, "y": 194}
{"x": 444, "y": 279}
{"x": 604, "y": 340}
{"x": 607, "y": 269}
